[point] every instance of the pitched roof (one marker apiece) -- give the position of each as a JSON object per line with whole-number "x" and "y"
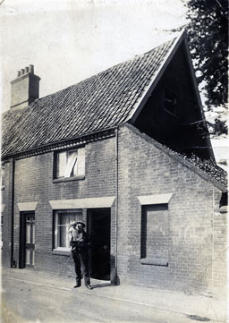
{"x": 100, "y": 102}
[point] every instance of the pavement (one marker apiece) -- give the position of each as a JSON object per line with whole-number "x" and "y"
{"x": 162, "y": 305}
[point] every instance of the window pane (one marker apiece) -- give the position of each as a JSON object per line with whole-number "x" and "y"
{"x": 57, "y": 237}
{"x": 75, "y": 169}
{"x": 70, "y": 163}
{"x": 28, "y": 232}
{"x": 28, "y": 254}
{"x": 63, "y": 222}
{"x": 170, "y": 102}
{"x": 33, "y": 234}
{"x": 3, "y": 176}
{"x": 81, "y": 162}
{"x": 61, "y": 164}
{"x": 33, "y": 257}
{"x": 72, "y": 158}
{"x": 62, "y": 236}
{"x": 71, "y": 218}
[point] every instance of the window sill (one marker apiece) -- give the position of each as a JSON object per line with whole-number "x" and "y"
{"x": 68, "y": 179}
{"x": 154, "y": 262}
{"x": 223, "y": 209}
{"x": 62, "y": 251}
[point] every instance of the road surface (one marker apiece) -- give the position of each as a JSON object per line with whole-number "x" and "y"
{"x": 25, "y": 301}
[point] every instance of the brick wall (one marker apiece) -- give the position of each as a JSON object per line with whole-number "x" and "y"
{"x": 144, "y": 170}
{"x": 34, "y": 182}
{"x": 219, "y": 274}
{"x": 6, "y": 213}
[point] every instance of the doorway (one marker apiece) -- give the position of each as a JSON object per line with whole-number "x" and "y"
{"x": 27, "y": 239}
{"x": 99, "y": 227}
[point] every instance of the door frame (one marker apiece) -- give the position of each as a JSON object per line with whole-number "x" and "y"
{"x": 22, "y": 238}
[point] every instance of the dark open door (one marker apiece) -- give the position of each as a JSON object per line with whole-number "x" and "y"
{"x": 27, "y": 239}
{"x": 99, "y": 232}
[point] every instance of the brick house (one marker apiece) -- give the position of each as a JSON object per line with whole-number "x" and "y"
{"x": 116, "y": 150}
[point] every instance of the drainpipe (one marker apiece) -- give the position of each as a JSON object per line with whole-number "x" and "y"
{"x": 12, "y": 168}
{"x": 116, "y": 210}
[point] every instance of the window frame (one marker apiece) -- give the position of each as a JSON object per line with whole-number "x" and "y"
{"x": 168, "y": 92}
{"x": 2, "y": 177}
{"x": 55, "y": 165}
{"x": 78, "y": 216}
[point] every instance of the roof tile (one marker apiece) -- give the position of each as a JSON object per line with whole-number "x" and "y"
{"x": 100, "y": 102}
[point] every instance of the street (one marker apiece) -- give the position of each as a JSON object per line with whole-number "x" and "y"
{"x": 31, "y": 301}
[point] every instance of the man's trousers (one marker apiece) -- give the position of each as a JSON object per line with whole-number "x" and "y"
{"x": 80, "y": 257}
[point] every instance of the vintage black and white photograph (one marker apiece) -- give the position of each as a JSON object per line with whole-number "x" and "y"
{"x": 114, "y": 159}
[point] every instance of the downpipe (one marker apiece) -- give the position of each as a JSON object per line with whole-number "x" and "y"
{"x": 13, "y": 263}
{"x": 116, "y": 280}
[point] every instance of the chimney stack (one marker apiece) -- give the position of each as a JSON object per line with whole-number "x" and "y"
{"x": 25, "y": 88}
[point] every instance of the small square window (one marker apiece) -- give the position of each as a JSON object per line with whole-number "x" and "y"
{"x": 70, "y": 163}
{"x": 63, "y": 220}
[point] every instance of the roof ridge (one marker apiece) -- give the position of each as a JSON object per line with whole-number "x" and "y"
{"x": 135, "y": 57}
{"x": 103, "y": 100}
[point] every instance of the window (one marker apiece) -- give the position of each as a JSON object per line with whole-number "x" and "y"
{"x": 170, "y": 103}
{"x": 70, "y": 163}
{"x": 63, "y": 220}
{"x": 154, "y": 235}
{"x": 2, "y": 177}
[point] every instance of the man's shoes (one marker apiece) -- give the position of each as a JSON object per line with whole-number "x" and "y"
{"x": 77, "y": 285}
{"x": 89, "y": 286}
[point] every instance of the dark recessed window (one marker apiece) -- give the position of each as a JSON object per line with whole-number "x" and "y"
{"x": 70, "y": 163}
{"x": 155, "y": 235}
{"x": 170, "y": 102}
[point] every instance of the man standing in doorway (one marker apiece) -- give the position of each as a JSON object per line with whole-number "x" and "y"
{"x": 80, "y": 243}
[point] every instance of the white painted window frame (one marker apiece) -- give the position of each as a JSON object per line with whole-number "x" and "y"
{"x": 67, "y": 213}
{"x": 73, "y": 163}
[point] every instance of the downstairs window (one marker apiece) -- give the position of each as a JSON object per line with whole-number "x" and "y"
{"x": 154, "y": 235}
{"x": 62, "y": 223}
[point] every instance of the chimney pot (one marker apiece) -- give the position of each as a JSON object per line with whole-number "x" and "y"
{"x": 31, "y": 69}
{"x": 25, "y": 88}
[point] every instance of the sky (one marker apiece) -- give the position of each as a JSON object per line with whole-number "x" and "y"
{"x": 70, "y": 40}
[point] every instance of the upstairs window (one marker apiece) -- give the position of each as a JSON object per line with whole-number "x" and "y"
{"x": 170, "y": 103}
{"x": 3, "y": 177}
{"x": 70, "y": 163}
